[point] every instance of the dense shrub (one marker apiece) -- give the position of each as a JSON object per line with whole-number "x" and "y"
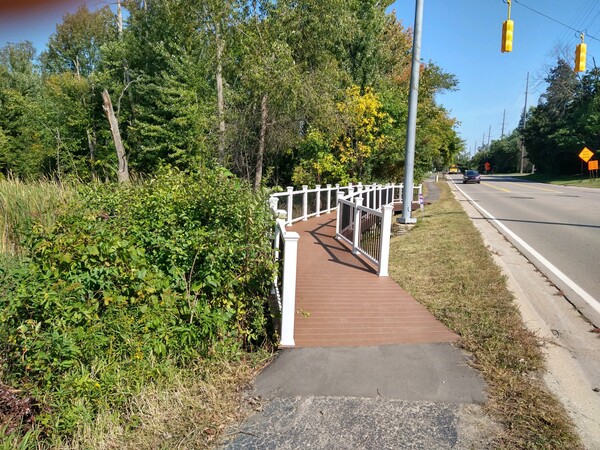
{"x": 130, "y": 282}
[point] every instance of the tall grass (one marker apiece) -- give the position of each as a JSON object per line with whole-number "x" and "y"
{"x": 23, "y": 204}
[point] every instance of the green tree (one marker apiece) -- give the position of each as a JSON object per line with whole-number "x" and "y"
{"x": 23, "y": 150}
{"x": 551, "y": 136}
{"x": 75, "y": 46}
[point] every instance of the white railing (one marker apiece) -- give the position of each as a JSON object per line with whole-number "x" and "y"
{"x": 366, "y": 229}
{"x": 306, "y": 203}
{"x": 364, "y": 220}
{"x": 284, "y": 285}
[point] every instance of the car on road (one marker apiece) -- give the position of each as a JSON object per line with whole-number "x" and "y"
{"x": 471, "y": 176}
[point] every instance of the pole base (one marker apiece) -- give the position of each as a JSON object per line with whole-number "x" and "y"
{"x": 407, "y": 220}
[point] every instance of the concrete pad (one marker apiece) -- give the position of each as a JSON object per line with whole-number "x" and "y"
{"x": 431, "y": 372}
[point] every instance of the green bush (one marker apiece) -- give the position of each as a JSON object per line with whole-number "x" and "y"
{"x": 129, "y": 283}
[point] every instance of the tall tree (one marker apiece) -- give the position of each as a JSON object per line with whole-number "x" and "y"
{"x": 75, "y": 46}
{"x": 23, "y": 149}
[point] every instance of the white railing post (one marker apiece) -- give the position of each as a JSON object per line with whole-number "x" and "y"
{"x": 338, "y": 205}
{"x": 329, "y": 198}
{"x": 318, "y": 200}
{"x": 381, "y": 188}
{"x": 356, "y": 231}
{"x": 273, "y": 203}
{"x": 386, "y": 231}
{"x": 288, "y": 297}
{"x": 276, "y": 257}
{"x": 304, "y": 202}
{"x": 290, "y": 205}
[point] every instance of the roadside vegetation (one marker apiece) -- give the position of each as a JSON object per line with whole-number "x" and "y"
{"x": 129, "y": 295}
{"x": 565, "y": 180}
{"x": 452, "y": 273}
{"x": 112, "y": 296}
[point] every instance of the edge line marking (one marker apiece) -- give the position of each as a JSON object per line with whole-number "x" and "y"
{"x": 591, "y": 301}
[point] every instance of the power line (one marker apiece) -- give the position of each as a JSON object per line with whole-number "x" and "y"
{"x": 555, "y": 20}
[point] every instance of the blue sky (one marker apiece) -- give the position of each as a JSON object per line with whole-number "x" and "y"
{"x": 461, "y": 36}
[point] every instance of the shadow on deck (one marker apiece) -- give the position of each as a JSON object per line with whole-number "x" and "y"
{"x": 340, "y": 300}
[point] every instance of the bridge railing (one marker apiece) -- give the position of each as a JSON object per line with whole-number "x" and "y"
{"x": 285, "y": 245}
{"x": 306, "y": 203}
{"x": 364, "y": 220}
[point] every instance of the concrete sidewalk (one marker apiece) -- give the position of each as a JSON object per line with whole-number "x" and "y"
{"x": 421, "y": 396}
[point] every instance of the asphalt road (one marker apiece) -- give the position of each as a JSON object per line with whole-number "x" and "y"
{"x": 553, "y": 226}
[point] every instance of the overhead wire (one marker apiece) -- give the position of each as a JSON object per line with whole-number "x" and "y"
{"x": 518, "y": 2}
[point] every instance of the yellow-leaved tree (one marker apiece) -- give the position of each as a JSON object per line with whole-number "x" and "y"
{"x": 365, "y": 126}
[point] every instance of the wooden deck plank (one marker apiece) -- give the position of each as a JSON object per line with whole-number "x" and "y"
{"x": 340, "y": 300}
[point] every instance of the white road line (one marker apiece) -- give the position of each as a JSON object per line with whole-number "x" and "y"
{"x": 551, "y": 267}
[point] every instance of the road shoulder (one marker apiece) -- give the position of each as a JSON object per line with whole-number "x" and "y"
{"x": 571, "y": 350}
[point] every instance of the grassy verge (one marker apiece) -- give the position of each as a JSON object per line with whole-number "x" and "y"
{"x": 566, "y": 180}
{"x": 191, "y": 409}
{"x": 445, "y": 265}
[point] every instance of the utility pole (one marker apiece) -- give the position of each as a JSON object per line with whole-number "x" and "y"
{"x": 489, "y": 135}
{"x": 503, "y": 122}
{"x": 524, "y": 123}
{"x": 483, "y": 141}
{"x": 411, "y": 132}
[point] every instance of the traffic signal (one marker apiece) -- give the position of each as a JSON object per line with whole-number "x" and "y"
{"x": 507, "y": 36}
{"x": 580, "y": 57}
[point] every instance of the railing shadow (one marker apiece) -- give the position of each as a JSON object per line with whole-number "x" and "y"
{"x": 331, "y": 245}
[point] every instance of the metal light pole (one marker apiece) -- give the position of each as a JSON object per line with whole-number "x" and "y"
{"x": 409, "y": 162}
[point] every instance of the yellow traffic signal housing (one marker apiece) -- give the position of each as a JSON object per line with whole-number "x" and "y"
{"x": 580, "y": 55}
{"x": 507, "y": 36}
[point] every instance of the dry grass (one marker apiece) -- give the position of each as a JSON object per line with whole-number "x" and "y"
{"x": 189, "y": 410}
{"x": 445, "y": 265}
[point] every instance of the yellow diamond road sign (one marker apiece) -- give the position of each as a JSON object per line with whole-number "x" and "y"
{"x": 586, "y": 154}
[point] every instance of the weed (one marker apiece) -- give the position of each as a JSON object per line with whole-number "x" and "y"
{"x": 129, "y": 284}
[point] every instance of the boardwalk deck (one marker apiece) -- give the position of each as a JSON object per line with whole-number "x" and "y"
{"x": 340, "y": 300}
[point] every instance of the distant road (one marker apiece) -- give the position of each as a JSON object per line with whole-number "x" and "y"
{"x": 560, "y": 224}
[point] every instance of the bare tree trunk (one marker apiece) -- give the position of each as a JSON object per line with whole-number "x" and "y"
{"x": 119, "y": 19}
{"x": 77, "y": 68}
{"x": 58, "y": 145}
{"x": 264, "y": 115}
{"x": 123, "y": 174}
{"x": 220, "y": 100}
{"x": 91, "y": 137}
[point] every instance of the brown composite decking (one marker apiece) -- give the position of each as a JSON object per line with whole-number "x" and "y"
{"x": 340, "y": 300}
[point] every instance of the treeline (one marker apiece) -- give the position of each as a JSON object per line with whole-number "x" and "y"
{"x": 288, "y": 91}
{"x": 566, "y": 119}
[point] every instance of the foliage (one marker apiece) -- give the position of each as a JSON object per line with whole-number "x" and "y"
{"x": 284, "y": 69}
{"x": 565, "y": 121}
{"x": 503, "y": 155}
{"x": 129, "y": 282}
{"x": 23, "y": 204}
{"x": 75, "y": 47}
{"x": 365, "y": 126}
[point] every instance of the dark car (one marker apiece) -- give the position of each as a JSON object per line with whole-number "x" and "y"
{"x": 471, "y": 176}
